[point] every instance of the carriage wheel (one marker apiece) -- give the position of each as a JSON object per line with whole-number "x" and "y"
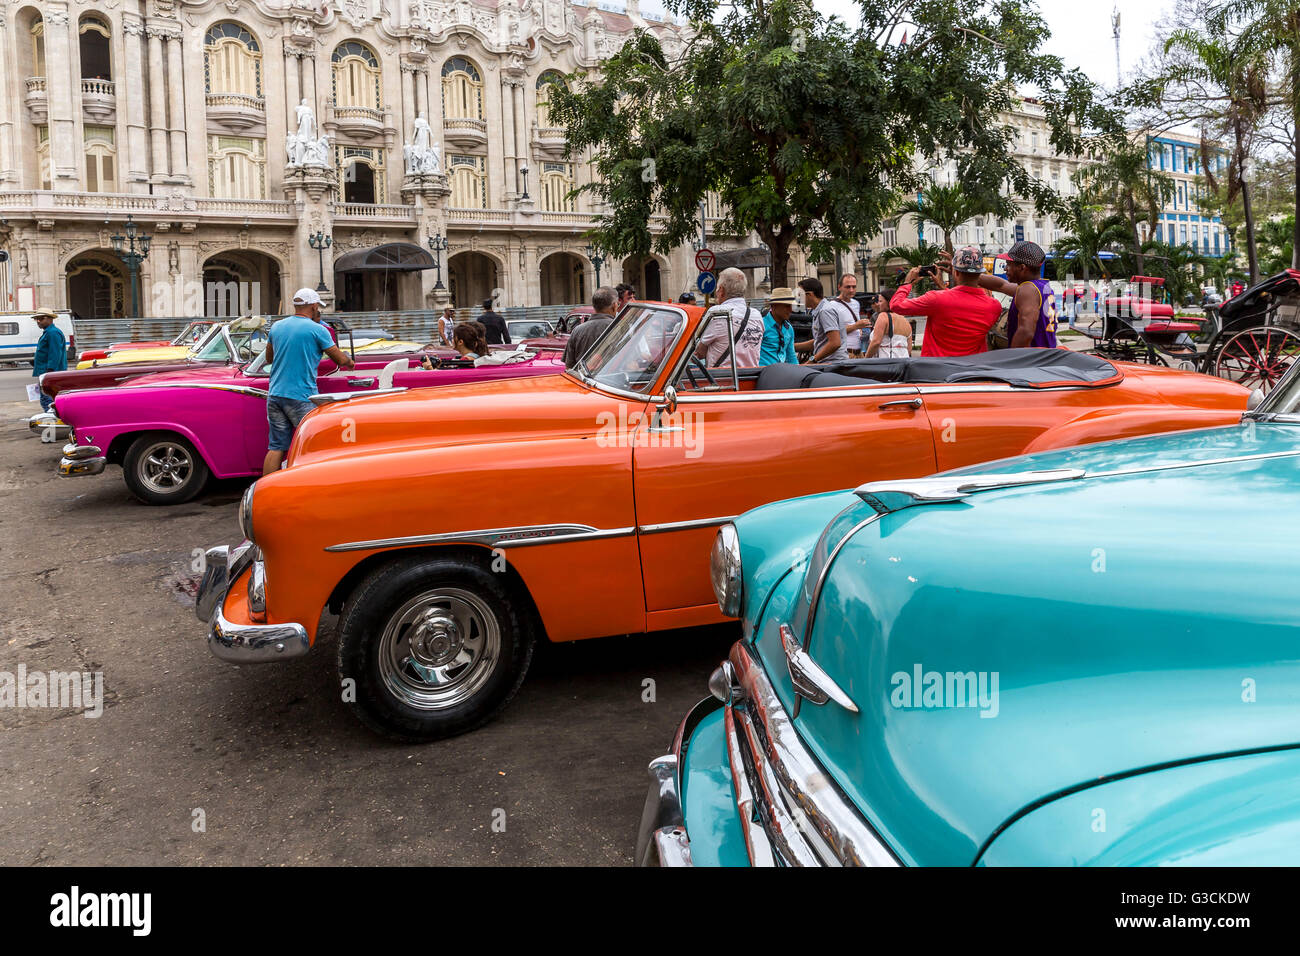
{"x": 1258, "y": 358}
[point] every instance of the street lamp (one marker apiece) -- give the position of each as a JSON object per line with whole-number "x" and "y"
{"x": 126, "y": 249}
{"x": 864, "y": 260}
{"x": 438, "y": 245}
{"x": 320, "y": 242}
{"x": 523, "y": 171}
{"x": 597, "y": 260}
{"x": 767, "y": 263}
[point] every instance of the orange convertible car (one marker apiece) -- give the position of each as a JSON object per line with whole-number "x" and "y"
{"x": 451, "y": 528}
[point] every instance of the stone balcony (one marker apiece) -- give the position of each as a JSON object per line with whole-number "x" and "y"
{"x": 360, "y": 122}
{"x": 38, "y": 101}
{"x": 237, "y": 112}
{"x": 550, "y": 140}
{"x": 396, "y": 215}
{"x": 464, "y": 132}
{"x": 50, "y": 206}
{"x": 99, "y": 99}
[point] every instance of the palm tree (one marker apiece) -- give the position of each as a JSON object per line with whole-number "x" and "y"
{"x": 1095, "y": 231}
{"x": 1229, "y": 77}
{"x": 1124, "y": 181}
{"x": 1177, "y": 265}
{"x": 1275, "y": 242}
{"x": 948, "y": 207}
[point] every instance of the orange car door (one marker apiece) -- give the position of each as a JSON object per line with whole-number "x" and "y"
{"x": 732, "y": 451}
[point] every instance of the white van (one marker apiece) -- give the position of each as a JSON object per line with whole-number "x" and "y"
{"x": 19, "y": 334}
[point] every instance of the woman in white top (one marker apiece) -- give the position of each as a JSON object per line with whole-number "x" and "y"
{"x": 891, "y": 336}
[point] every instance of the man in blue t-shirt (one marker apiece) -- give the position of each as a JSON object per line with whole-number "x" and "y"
{"x": 51, "y": 350}
{"x": 293, "y": 354}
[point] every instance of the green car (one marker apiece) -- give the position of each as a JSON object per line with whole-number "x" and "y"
{"x": 1088, "y": 656}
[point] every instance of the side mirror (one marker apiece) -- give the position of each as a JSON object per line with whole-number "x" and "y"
{"x": 668, "y": 407}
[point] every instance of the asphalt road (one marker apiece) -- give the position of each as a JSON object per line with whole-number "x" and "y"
{"x": 281, "y": 772}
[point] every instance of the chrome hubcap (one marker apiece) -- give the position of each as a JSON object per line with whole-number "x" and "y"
{"x": 439, "y": 648}
{"x": 165, "y": 466}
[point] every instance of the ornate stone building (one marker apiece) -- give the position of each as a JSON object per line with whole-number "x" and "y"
{"x": 233, "y": 132}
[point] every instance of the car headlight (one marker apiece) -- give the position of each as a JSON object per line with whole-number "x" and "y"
{"x": 724, "y": 569}
{"x": 246, "y": 512}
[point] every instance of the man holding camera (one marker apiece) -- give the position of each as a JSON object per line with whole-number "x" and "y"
{"x": 958, "y": 319}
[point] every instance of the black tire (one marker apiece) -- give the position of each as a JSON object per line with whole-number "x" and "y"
{"x": 394, "y": 632}
{"x": 161, "y": 468}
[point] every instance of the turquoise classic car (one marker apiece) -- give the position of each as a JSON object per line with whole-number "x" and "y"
{"x": 1087, "y": 656}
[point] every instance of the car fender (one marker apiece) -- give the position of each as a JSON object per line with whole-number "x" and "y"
{"x": 1105, "y": 424}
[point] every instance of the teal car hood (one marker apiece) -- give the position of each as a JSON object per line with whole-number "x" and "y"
{"x": 1139, "y": 617}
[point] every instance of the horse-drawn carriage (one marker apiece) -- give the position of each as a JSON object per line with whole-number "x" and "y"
{"x": 1252, "y": 338}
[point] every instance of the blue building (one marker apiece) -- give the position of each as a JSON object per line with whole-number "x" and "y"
{"x": 1182, "y": 223}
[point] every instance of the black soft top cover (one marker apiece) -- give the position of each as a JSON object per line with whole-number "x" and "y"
{"x": 1022, "y": 368}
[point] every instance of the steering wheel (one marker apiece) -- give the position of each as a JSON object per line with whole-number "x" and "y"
{"x": 703, "y": 368}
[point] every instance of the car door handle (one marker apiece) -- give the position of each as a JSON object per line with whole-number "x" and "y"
{"x": 361, "y": 381}
{"x": 912, "y": 403}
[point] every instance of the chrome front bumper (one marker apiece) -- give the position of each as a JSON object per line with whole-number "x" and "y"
{"x": 242, "y": 643}
{"x": 661, "y": 839}
{"x": 48, "y": 427}
{"x": 81, "y": 460}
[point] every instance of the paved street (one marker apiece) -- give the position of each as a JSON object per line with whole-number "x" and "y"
{"x": 93, "y": 580}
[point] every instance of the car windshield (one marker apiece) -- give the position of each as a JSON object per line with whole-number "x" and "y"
{"x": 248, "y": 343}
{"x": 193, "y": 334}
{"x": 529, "y": 330}
{"x": 629, "y": 355}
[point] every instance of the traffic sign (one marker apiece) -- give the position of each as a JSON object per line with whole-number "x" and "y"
{"x": 1020, "y": 232}
{"x": 705, "y": 260}
{"x": 706, "y": 282}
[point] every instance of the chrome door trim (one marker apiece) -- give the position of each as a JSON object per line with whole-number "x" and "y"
{"x": 683, "y": 525}
{"x": 517, "y": 537}
{"x": 241, "y": 389}
{"x": 795, "y": 394}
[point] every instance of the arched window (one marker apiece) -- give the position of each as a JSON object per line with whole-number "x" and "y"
{"x": 356, "y": 76}
{"x": 232, "y": 61}
{"x": 468, "y": 177}
{"x": 96, "y": 61}
{"x": 38, "y": 46}
{"x": 462, "y": 90}
{"x": 236, "y": 167}
{"x": 557, "y": 183}
{"x": 361, "y": 174}
{"x": 43, "y": 156}
{"x": 544, "y": 83}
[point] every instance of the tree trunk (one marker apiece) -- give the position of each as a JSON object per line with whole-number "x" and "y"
{"x": 1252, "y": 255}
{"x": 1138, "y": 258}
{"x": 780, "y": 260}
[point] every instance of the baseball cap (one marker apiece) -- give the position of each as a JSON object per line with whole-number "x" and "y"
{"x": 1026, "y": 253}
{"x": 782, "y": 296}
{"x": 968, "y": 259}
{"x": 307, "y": 297}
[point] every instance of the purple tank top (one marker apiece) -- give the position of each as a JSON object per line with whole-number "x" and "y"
{"x": 1045, "y": 328}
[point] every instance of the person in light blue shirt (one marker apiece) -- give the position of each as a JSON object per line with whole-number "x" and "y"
{"x": 293, "y": 353}
{"x": 51, "y": 351}
{"x": 778, "y": 333}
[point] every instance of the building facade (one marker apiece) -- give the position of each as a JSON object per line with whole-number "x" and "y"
{"x": 1182, "y": 221}
{"x": 240, "y": 135}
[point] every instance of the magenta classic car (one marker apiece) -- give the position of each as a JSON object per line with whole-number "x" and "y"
{"x": 171, "y": 430}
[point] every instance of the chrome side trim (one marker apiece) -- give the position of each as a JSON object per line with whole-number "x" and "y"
{"x": 683, "y": 525}
{"x": 1263, "y": 456}
{"x": 325, "y": 398}
{"x": 889, "y": 496}
{"x": 241, "y": 389}
{"x": 818, "y": 823}
{"x": 798, "y": 394}
{"x": 518, "y": 537}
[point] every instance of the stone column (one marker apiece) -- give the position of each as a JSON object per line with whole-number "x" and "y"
{"x": 180, "y": 165}
{"x": 8, "y": 172}
{"x": 157, "y": 106}
{"x": 64, "y": 95}
{"x": 521, "y": 131}
{"x": 292, "y": 96}
{"x": 130, "y": 93}
{"x": 510, "y": 148}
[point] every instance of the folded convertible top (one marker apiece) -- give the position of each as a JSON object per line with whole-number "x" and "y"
{"x": 1022, "y": 368}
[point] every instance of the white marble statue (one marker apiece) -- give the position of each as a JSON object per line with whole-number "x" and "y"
{"x": 306, "y": 120}
{"x": 316, "y": 152}
{"x": 422, "y": 154}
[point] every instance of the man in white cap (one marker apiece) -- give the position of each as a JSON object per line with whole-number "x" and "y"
{"x": 293, "y": 353}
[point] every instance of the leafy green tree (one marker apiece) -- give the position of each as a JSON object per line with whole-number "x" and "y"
{"x": 923, "y": 254}
{"x": 1276, "y": 244}
{"x": 951, "y": 206}
{"x": 1093, "y": 230}
{"x": 1177, "y": 265}
{"x": 1219, "y": 82}
{"x": 1274, "y": 27}
{"x": 1123, "y": 180}
{"x": 808, "y": 130}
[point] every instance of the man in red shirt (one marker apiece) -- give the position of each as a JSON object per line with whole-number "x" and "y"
{"x": 958, "y": 319}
